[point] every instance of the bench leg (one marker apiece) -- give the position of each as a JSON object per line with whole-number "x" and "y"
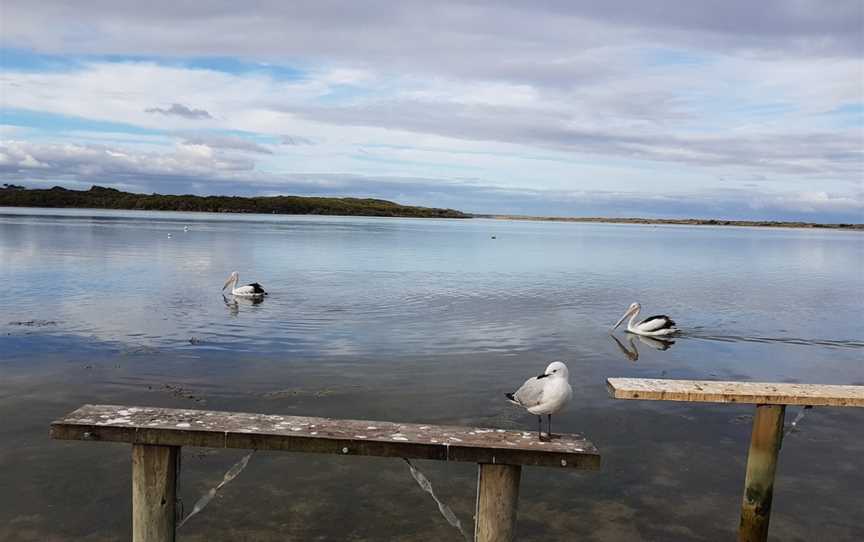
{"x": 154, "y": 492}
{"x": 761, "y": 466}
{"x": 497, "y": 499}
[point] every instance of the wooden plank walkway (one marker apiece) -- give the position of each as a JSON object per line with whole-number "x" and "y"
{"x": 157, "y": 435}
{"x": 766, "y": 437}
{"x": 710, "y": 391}
{"x": 180, "y": 427}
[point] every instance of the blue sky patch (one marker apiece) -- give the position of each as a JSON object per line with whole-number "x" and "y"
{"x": 53, "y": 121}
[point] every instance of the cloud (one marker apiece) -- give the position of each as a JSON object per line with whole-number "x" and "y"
{"x": 650, "y": 117}
{"x": 204, "y": 170}
{"x": 295, "y": 140}
{"x": 456, "y": 37}
{"x": 835, "y": 153}
{"x": 181, "y": 110}
{"x": 227, "y": 143}
{"x": 24, "y": 160}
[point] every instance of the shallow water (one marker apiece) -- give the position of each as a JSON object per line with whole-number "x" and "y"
{"x": 423, "y": 321}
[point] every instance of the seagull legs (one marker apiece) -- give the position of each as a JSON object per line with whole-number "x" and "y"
{"x": 540, "y": 427}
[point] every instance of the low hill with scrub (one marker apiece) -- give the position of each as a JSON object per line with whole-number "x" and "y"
{"x": 99, "y": 197}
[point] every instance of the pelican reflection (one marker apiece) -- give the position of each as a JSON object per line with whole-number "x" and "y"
{"x": 632, "y": 352}
{"x": 233, "y": 303}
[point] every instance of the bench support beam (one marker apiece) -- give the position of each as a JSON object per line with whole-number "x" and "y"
{"x": 761, "y": 466}
{"x": 497, "y": 499}
{"x": 154, "y": 492}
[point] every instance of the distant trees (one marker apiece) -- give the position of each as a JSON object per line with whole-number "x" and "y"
{"x": 100, "y": 197}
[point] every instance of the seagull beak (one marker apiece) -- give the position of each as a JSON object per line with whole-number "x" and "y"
{"x": 544, "y": 375}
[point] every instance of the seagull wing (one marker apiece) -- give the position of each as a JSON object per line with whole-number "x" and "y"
{"x": 530, "y": 394}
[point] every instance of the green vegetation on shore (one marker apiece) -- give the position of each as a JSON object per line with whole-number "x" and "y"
{"x": 679, "y": 221}
{"x": 99, "y": 197}
{"x": 108, "y": 198}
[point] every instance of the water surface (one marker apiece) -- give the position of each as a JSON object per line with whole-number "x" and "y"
{"x": 424, "y": 321}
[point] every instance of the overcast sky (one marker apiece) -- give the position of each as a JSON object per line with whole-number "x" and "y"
{"x": 734, "y": 109}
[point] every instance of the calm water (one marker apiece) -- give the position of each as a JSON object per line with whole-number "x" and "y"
{"x": 422, "y": 321}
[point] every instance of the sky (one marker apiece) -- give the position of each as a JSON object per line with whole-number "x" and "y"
{"x": 669, "y": 108}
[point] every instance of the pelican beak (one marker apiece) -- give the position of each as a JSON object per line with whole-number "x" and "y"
{"x": 626, "y": 314}
{"x": 227, "y": 282}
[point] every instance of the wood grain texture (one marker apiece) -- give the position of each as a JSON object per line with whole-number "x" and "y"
{"x": 154, "y": 492}
{"x": 497, "y": 500}
{"x": 710, "y": 391}
{"x": 761, "y": 468}
{"x": 180, "y": 427}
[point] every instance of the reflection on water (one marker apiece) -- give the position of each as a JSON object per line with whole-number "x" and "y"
{"x": 235, "y": 302}
{"x": 424, "y": 321}
{"x": 630, "y": 350}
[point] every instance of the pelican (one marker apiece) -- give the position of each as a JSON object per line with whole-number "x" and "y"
{"x": 250, "y": 290}
{"x": 653, "y": 326}
{"x": 544, "y": 394}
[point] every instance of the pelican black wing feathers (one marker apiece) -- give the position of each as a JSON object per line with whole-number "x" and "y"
{"x": 663, "y": 322}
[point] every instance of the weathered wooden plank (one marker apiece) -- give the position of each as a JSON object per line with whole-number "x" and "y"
{"x": 710, "y": 391}
{"x": 178, "y": 427}
{"x": 497, "y": 500}
{"x": 154, "y": 492}
{"x": 761, "y": 468}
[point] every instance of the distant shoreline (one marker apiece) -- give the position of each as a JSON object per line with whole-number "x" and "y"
{"x": 111, "y": 199}
{"x": 98, "y": 197}
{"x": 677, "y": 221}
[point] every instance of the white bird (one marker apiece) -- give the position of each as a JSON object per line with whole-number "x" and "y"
{"x": 544, "y": 394}
{"x": 250, "y": 290}
{"x": 653, "y": 326}
{"x": 185, "y": 228}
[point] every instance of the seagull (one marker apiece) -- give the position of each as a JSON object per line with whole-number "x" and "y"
{"x": 653, "y": 326}
{"x": 544, "y": 394}
{"x": 250, "y": 290}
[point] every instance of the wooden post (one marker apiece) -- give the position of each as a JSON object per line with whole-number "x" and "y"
{"x": 761, "y": 466}
{"x": 154, "y": 492}
{"x": 497, "y": 498}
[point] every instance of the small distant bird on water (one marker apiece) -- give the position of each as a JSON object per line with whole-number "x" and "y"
{"x": 250, "y": 290}
{"x": 653, "y": 326}
{"x": 546, "y": 394}
{"x": 185, "y": 228}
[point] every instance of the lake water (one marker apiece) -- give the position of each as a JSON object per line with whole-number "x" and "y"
{"x": 426, "y": 321}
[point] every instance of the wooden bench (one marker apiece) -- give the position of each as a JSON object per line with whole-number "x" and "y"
{"x": 157, "y": 435}
{"x": 770, "y": 400}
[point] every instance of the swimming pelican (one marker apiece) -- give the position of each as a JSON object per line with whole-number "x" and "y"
{"x": 653, "y": 326}
{"x": 544, "y": 394}
{"x": 250, "y": 290}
